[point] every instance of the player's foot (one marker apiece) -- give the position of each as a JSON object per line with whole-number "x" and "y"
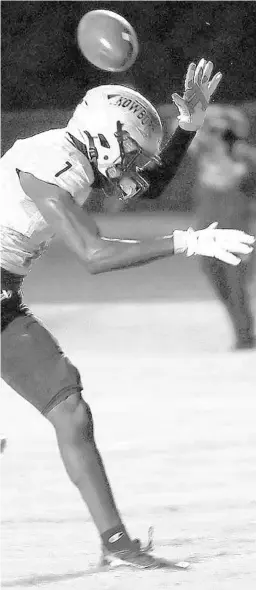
{"x": 138, "y": 557}
{"x": 248, "y": 344}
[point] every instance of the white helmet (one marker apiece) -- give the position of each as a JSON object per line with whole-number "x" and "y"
{"x": 122, "y": 131}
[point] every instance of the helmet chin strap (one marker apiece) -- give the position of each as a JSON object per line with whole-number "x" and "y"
{"x": 100, "y": 180}
{"x": 91, "y": 154}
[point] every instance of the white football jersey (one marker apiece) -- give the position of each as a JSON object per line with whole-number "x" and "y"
{"x": 51, "y": 157}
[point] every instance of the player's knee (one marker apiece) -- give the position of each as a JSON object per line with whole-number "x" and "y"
{"x": 72, "y": 416}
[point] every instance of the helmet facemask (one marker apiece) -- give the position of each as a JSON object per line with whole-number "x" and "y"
{"x": 124, "y": 174}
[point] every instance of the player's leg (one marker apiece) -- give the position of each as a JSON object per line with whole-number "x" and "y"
{"x": 3, "y": 443}
{"x": 35, "y": 367}
{"x": 240, "y": 305}
{"x": 230, "y": 285}
{"x": 73, "y": 423}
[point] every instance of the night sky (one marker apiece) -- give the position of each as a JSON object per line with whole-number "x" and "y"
{"x": 42, "y": 66}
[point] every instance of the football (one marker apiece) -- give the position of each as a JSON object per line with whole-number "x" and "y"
{"x": 107, "y": 40}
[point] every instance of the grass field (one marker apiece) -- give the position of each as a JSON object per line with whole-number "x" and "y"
{"x": 174, "y": 413}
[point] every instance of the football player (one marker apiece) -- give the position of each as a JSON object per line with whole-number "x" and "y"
{"x": 112, "y": 142}
{"x": 225, "y": 190}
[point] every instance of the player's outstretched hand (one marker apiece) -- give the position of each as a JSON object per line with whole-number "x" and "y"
{"x": 227, "y": 245}
{"x": 199, "y": 88}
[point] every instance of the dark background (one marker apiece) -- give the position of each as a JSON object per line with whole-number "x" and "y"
{"x": 44, "y": 74}
{"x": 42, "y": 66}
{"x": 43, "y": 78}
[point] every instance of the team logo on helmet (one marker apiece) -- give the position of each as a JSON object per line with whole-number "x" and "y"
{"x": 135, "y": 107}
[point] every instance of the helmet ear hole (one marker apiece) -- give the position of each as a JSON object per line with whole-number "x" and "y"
{"x": 103, "y": 140}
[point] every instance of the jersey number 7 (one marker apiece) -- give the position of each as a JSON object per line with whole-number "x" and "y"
{"x": 67, "y": 167}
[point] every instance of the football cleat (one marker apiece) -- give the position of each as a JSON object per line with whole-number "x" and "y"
{"x": 138, "y": 557}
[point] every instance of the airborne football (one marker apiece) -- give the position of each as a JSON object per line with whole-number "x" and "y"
{"x": 107, "y": 40}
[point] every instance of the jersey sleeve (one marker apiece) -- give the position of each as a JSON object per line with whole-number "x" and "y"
{"x": 72, "y": 173}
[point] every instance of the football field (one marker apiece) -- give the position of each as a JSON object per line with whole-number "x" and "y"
{"x": 174, "y": 413}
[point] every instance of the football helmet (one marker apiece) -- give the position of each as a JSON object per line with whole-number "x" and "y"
{"x": 122, "y": 132}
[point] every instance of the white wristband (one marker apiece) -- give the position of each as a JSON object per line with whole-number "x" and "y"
{"x": 185, "y": 241}
{"x": 180, "y": 243}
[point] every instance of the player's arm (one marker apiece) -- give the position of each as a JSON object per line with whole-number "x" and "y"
{"x": 81, "y": 233}
{"x": 192, "y": 109}
{"x": 101, "y": 254}
{"x": 171, "y": 156}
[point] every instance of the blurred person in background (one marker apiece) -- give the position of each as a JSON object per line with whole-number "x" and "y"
{"x": 224, "y": 190}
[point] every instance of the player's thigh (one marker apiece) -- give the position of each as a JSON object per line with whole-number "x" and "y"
{"x": 34, "y": 365}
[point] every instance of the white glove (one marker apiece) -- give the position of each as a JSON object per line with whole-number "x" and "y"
{"x": 198, "y": 91}
{"x": 223, "y": 244}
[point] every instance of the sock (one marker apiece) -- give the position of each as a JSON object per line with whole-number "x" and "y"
{"x": 116, "y": 539}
